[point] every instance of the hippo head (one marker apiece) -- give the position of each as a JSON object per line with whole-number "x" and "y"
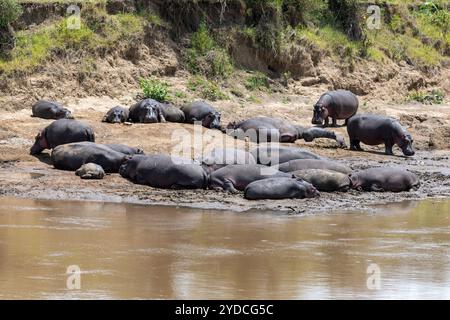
{"x": 310, "y": 190}
{"x": 148, "y": 113}
{"x": 117, "y": 115}
{"x": 128, "y": 168}
{"x": 212, "y": 120}
{"x": 40, "y": 144}
{"x": 320, "y": 113}
{"x": 355, "y": 181}
{"x": 405, "y": 143}
{"x": 65, "y": 114}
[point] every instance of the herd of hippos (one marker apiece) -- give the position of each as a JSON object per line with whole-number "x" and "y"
{"x": 267, "y": 172}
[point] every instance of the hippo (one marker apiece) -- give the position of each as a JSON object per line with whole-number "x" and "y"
{"x": 117, "y": 114}
{"x": 384, "y": 179}
{"x": 170, "y": 113}
{"x": 280, "y": 188}
{"x": 61, "y": 132}
{"x": 234, "y": 178}
{"x": 265, "y": 129}
{"x": 275, "y": 154}
{"x": 50, "y": 110}
{"x": 204, "y": 112}
{"x": 339, "y": 104}
{"x": 295, "y": 165}
{"x": 90, "y": 171}
{"x": 325, "y": 180}
{"x": 72, "y": 156}
{"x": 146, "y": 111}
{"x": 219, "y": 158}
{"x": 161, "y": 171}
{"x": 124, "y": 149}
{"x": 374, "y": 130}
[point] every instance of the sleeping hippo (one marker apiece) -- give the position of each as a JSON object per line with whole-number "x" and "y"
{"x": 146, "y": 111}
{"x": 61, "y": 132}
{"x": 295, "y": 165}
{"x": 124, "y": 149}
{"x": 275, "y": 154}
{"x": 234, "y": 178}
{"x": 339, "y": 104}
{"x": 325, "y": 180}
{"x": 50, "y": 110}
{"x": 117, "y": 114}
{"x": 90, "y": 171}
{"x": 161, "y": 171}
{"x": 384, "y": 179}
{"x": 280, "y": 188}
{"x": 265, "y": 129}
{"x": 219, "y": 158}
{"x": 170, "y": 113}
{"x": 72, "y": 156}
{"x": 374, "y": 130}
{"x": 204, "y": 112}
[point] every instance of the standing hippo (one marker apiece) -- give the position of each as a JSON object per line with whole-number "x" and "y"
{"x": 74, "y": 155}
{"x": 170, "y": 113}
{"x": 50, "y": 110}
{"x": 325, "y": 180}
{"x": 204, "y": 112}
{"x": 146, "y": 111}
{"x": 236, "y": 177}
{"x": 374, "y": 130}
{"x": 160, "y": 171}
{"x": 384, "y": 179}
{"x": 339, "y": 104}
{"x": 117, "y": 114}
{"x": 295, "y": 165}
{"x": 124, "y": 149}
{"x": 280, "y": 188}
{"x": 275, "y": 154}
{"x": 219, "y": 158}
{"x": 61, "y": 132}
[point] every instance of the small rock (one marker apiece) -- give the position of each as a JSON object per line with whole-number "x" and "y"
{"x": 90, "y": 171}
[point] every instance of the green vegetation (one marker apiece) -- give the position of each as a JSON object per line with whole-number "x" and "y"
{"x": 206, "y": 58}
{"x": 206, "y": 89}
{"x": 10, "y": 10}
{"x": 155, "y": 89}
{"x": 257, "y": 81}
{"x": 433, "y": 97}
{"x": 98, "y": 34}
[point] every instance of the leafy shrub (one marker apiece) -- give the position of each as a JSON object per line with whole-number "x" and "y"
{"x": 206, "y": 89}
{"x": 10, "y": 10}
{"x": 257, "y": 81}
{"x": 154, "y": 89}
{"x": 433, "y": 97}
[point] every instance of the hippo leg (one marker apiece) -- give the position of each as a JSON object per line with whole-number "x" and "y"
{"x": 229, "y": 187}
{"x": 355, "y": 145}
{"x": 161, "y": 117}
{"x": 327, "y": 122}
{"x": 389, "y": 151}
{"x": 287, "y": 138}
{"x": 334, "y": 123}
{"x": 376, "y": 188}
{"x": 346, "y": 122}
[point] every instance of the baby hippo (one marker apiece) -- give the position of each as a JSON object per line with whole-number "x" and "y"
{"x": 50, "y": 110}
{"x": 384, "y": 179}
{"x": 325, "y": 180}
{"x": 374, "y": 130}
{"x": 117, "y": 114}
{"x": 280, "y": 188}
{"x": 339, "y": 104}
{"x": 91, "y": 171}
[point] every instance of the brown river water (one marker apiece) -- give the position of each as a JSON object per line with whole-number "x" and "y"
{"x": 127, "y": 251}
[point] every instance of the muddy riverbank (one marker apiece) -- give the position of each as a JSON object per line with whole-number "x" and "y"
{"x": 24, "y": 176}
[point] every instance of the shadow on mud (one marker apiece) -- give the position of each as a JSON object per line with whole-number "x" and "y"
{"x": 44, "y": 157}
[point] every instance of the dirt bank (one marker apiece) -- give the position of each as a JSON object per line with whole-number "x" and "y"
{"x": 25, "y": 176}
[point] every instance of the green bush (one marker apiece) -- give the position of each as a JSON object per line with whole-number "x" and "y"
{"x": 154, "y": 89}
{"x": 257, "y": 81}
{"x": 10, "y": 10}
{"x": 206, "y": 89}
{"x": 206, "y": 58}
{"x": 433, "y": 97}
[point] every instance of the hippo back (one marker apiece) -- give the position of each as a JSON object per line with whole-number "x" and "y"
{"x": 65, "y": 131}
{"x": 295, "y": 165}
